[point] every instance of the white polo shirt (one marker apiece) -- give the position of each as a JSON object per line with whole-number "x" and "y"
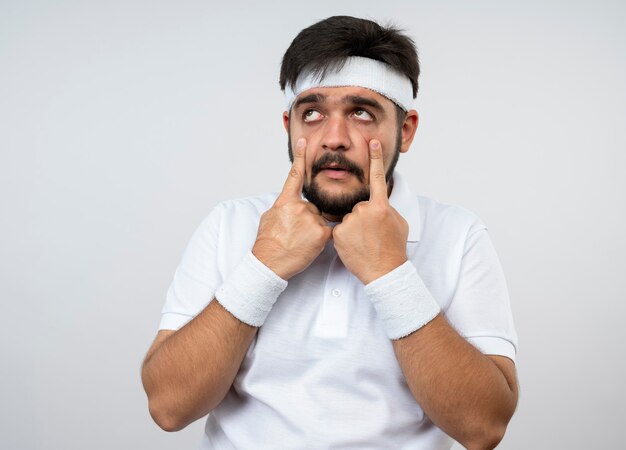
{"x": 321, "y": 372}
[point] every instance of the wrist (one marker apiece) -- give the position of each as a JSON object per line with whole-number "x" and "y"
{"x": 402, "y": 301}
{"x": 268, "y": 257}
{"x": 379, "y": 270}
{"x": 250, "y": 291}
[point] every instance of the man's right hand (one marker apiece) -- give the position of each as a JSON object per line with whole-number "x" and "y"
{"x": 292, "y": 233}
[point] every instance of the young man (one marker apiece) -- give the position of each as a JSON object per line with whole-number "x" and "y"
{"x": 360, "y": 316}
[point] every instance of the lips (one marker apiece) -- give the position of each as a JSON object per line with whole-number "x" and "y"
{"x": 336, "y": 165}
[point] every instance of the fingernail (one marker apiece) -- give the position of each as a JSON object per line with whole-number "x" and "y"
{"x": 300, "y": 143}
{"x": 374, "y": 144}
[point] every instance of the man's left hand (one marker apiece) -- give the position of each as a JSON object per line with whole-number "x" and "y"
{"x": 371, "y": 240}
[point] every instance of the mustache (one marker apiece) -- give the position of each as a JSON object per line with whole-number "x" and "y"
{"x": 339, "y": 159}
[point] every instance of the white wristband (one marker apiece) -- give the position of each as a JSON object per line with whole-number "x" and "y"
{"x": 250, "y": 291}
{"x": 402, "y": 301}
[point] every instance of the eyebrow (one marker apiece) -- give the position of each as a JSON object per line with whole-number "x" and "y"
{"x": 312, "y": 98}
{"x": 363, "y": 101}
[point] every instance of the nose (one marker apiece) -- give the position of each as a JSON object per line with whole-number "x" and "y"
{"x": 336, "y": 136}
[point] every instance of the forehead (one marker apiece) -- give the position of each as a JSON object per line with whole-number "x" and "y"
{"x": 343, "y": 95}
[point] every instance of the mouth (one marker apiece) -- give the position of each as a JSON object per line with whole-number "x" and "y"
{"x": 336, "y": 171}
{"x": 336, "y": 166}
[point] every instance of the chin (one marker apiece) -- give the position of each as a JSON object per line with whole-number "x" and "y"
{"x": 338, "y": 204}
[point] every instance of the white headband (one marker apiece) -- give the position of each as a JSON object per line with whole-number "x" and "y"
{"x": 362, "y": 72}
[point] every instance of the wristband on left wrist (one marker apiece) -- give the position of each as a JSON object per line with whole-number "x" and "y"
{"x": 402, "y": 301}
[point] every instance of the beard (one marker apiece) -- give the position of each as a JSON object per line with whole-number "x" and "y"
{"x": 337, "y": 205}
{"x": 340, "y": 205}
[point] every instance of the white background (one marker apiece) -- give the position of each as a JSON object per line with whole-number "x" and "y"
{"x": 123, "y": 122}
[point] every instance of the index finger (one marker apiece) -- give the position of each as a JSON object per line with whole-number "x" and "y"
{"x": 378, "y": 183}
{"x": 295, "y": 179}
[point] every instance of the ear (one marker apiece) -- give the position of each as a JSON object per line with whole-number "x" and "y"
{"x": 286, "y": 121}
{"x": 409, "y": 127}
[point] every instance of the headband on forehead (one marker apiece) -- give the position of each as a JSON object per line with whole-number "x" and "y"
{"x": 361, "y": 72}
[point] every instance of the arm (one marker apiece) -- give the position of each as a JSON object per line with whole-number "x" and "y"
{"x": 468, "y": 395}
{"x": 187, "y": 373}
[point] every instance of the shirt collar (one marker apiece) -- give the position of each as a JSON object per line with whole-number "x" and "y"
{"x": 403, "y": 200}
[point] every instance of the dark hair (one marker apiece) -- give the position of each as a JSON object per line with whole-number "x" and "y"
{"x": 325, "y": 46}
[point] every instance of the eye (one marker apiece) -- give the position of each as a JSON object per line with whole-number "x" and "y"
{"x": 361, "y": 114}
{"x": 311, "y": 115}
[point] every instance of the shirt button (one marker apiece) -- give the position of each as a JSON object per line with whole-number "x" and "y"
{"x": 336, "y": 292}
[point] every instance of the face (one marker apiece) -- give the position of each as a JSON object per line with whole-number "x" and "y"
{"x": 338, "y": 124}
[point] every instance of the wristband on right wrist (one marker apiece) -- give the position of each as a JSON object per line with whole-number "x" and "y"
{"x": 250, "y": 291}
{"x": 402, "y": 301}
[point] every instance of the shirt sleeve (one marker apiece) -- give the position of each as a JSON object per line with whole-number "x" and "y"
{"x": 197, "y": 277}
{"x": 480, "y": 309}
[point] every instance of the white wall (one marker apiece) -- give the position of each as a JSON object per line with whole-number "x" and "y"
{"x": 123, "y": 122}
